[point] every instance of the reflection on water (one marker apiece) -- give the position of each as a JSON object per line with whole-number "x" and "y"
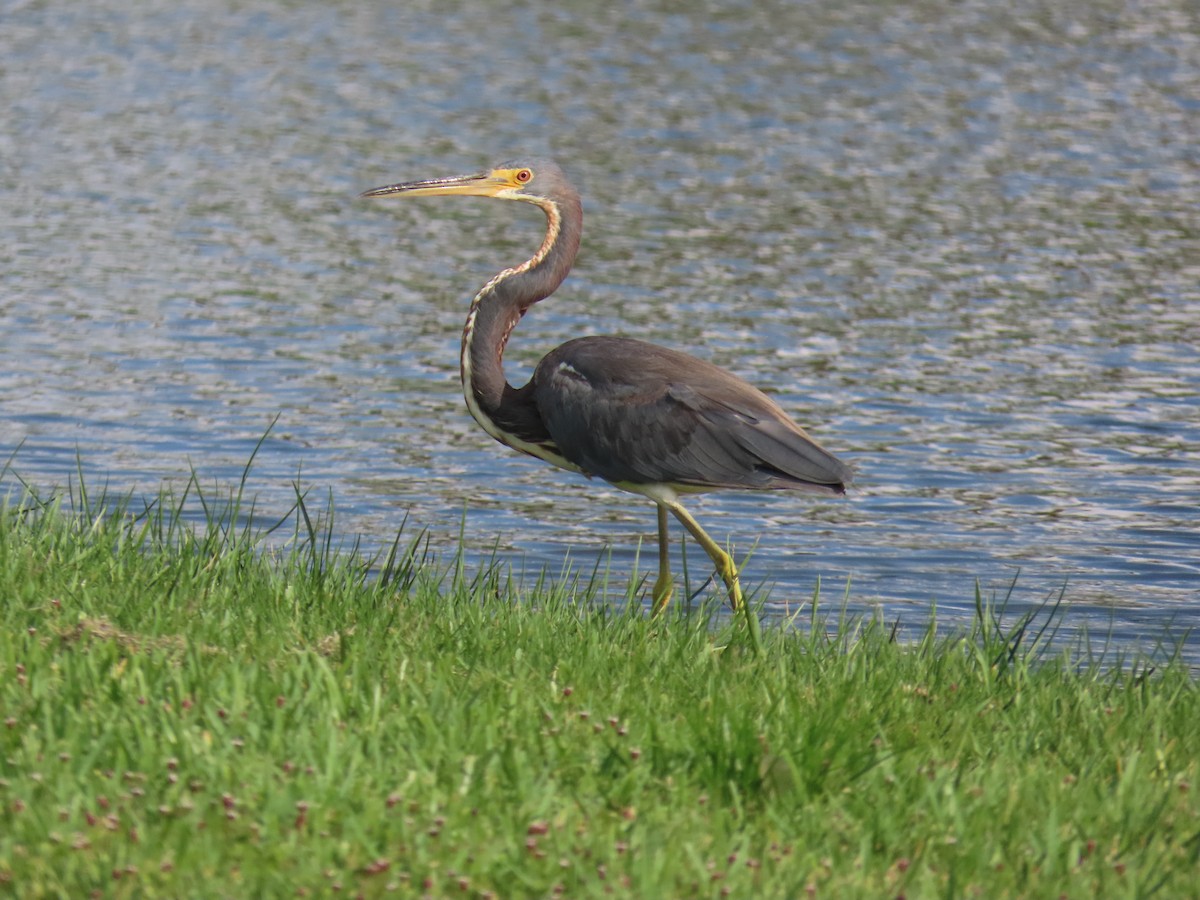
{"x": 960, "y": 242}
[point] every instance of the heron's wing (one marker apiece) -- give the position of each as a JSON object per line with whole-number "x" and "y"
{"x": 628, "y": 411}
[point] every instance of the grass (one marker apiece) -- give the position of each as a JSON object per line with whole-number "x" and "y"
{"x": 189, "y": 713}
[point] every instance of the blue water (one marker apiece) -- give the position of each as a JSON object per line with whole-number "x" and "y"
{"x": 960, "y": 242}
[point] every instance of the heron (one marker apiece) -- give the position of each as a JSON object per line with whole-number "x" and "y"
{"x": 647, "y": 419}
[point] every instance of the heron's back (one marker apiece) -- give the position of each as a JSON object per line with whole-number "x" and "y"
{"x": 636, "y": 413}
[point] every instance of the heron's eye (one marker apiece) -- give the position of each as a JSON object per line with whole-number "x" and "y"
{"x": 524, "y": 176}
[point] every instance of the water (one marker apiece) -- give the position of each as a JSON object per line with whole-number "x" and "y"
{"x": 960, "y": 242}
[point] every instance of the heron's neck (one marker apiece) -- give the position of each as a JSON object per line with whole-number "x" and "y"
{"x": 501, "y": 302}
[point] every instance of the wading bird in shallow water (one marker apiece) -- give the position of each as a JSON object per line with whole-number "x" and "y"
{"x": 649, "y": 420}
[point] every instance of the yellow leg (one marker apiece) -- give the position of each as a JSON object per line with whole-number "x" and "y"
{"x": 726, "y": 568}
{"x": 722, "y": 560}
{"x": 664, "y": 587}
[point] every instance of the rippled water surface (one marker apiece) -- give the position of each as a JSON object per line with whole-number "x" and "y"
{"x": 960, "y": 241}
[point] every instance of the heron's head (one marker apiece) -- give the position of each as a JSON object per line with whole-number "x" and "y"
{"x": 534, "y": 181}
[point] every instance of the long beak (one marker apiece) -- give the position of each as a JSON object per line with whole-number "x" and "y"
{"x": 482, "y": 184}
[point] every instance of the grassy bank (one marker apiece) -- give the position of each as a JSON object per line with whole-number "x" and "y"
{"x": 187, "y": 714}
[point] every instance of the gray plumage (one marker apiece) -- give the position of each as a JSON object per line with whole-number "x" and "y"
{"x": 628, "y": 411}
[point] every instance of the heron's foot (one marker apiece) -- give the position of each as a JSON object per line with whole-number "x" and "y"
{"x": 729, "y": 574}
{"x": 726, "y": 568}
{"x": 662, "y": 592}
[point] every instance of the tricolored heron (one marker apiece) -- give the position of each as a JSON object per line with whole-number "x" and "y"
{"x": 648, "y": 420}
